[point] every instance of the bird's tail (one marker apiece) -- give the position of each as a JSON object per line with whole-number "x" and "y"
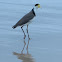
{"x": 14, "y": 26}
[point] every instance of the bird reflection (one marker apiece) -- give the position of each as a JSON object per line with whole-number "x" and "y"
{"x": 24, "y": 57}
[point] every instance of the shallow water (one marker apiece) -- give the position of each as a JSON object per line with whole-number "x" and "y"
{"x": 45, "y": 32}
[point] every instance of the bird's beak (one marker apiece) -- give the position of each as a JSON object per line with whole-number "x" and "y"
{"x": 39, "y": 6}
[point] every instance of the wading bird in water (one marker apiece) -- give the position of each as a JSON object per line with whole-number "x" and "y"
{"x": 25, "y": 20}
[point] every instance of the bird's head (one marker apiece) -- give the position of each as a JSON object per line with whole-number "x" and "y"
{"x": 37, "y": 6}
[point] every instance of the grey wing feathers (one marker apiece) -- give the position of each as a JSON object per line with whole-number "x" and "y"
{"x": 24, "y": 19}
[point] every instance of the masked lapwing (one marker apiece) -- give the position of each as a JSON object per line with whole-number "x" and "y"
{"x": 25, "y": 20}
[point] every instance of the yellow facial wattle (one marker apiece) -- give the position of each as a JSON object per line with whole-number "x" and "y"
{"x": 38, "y": 6}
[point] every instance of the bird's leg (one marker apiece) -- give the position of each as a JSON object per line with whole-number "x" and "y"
{"x": 24, "y": 39}
{"x": 28, "y": 33}
{"x": 28, "y": 40}
{"x": 23, "y": 32}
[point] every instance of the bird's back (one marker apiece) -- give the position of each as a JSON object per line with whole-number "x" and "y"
{"x": 27, "y": 18}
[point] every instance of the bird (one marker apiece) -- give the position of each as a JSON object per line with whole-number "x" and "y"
{"x": 27, "y": 19}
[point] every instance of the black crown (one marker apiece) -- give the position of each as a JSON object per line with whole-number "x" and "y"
{"x": 36, "y": 4}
